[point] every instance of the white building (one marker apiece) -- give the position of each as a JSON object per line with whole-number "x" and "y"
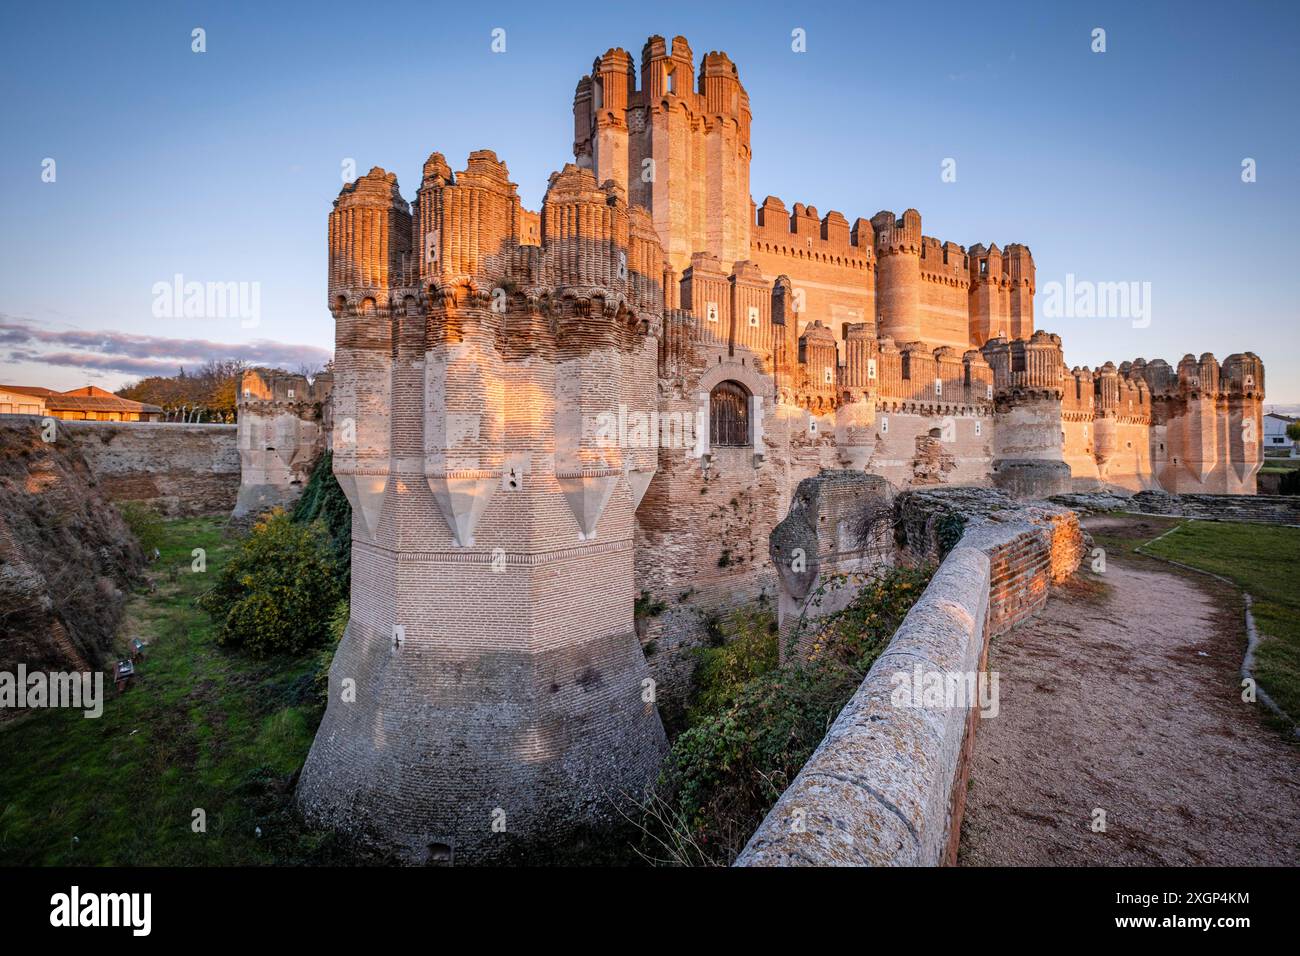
{"x": 1275, "y": 437}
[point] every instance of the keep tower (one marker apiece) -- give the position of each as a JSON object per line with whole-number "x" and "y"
{"x": 678, "y": 144}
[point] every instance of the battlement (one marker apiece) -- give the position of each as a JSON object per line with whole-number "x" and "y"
{"x": 277, "y": 387}
{"x": 1035, "y": 364}
{"x": 667, "y": 70}
{"x": 894, "y": 234}
{"x": 800, "y": 233}
{"x": 944, "y": 262}
{"x": 1013, "y": 266}
{"x": 1240, "y": 374}
{"x": 1080, "y": 392}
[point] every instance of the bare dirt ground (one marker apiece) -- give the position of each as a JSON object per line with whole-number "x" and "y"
{"x": 1124, "y": 695}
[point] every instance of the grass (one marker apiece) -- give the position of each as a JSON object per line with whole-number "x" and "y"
{"x": 202, "y": 728}
{"x": 1261, "y": 559}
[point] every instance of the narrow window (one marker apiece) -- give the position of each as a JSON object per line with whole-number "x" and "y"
{"x": 729, "y": 415}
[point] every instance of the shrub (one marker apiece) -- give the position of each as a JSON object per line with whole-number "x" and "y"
{"x": 323, "y": 500}
{"x": 145, "y": 523}
{"x": 647, "y": 606}
{"x": 751, "y": 735}
{"x": 278, "y": 590}
{"x": 338, "y": 623}
{"x": 746, "y": 650}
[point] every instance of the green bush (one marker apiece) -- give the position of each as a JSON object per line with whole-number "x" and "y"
{"x": 145, "y": 523}
{"x": 278, "y": 590}
{"x": 748, "y": 649}
{"x": 323, "y": 500}
{"x": 338, "y": 623}
{"x": 756, "y": 724}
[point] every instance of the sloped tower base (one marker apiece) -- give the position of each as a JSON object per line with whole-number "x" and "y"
{"x": 497, "y": 759}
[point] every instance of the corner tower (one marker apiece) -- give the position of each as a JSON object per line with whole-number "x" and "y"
{"x": 489, "y": 694}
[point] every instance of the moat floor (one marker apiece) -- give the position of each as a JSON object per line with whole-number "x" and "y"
{"x": 1124, "y": 696}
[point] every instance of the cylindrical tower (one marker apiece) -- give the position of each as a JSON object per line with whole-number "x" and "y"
{"x": 898, "y": 275}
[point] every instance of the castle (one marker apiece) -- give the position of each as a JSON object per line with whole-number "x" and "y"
{"x": 545, "y": 419}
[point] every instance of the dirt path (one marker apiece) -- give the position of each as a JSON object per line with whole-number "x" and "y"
{"x": 1124, "y": 695}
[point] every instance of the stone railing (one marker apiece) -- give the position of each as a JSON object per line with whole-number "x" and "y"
{"x": 887, "y": 785}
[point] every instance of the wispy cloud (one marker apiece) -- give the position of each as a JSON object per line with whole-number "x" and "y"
{"x": 125, "y": 353}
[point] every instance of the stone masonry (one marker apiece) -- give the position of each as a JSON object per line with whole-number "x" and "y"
{"x": 283, "y": 429}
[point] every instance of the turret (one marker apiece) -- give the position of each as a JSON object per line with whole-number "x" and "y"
{"x": 1018, "y": 264}
{"x": 369, "y": 236}
{"x": 861, "y": 373}
{"x": 990, "y": 297}
{"x": 705, "y": 292}
{"x": 370, "y": 244}
{"x": 497, "y": 464}
{"x": 751, "y": 320}
{"x": 613, "y": 82}
{"x": 898, "y": 283}
{"x": 977, "y": 377}
{"x": 819, "y": 357}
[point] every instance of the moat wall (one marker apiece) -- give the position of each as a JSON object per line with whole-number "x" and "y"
{"x": 178, "y": 469}
{"x": 887, "y": 785}
{"x": 1265, "y": 509}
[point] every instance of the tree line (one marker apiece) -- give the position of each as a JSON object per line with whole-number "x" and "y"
{"x": 209, "y": 393}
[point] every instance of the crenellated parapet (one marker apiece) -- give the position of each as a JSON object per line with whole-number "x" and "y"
{"x": 1079, "y": 400}
{"x": 1033, "y": 366}
{"x": 829, "y": 240}
{"x": 944, "y": 263}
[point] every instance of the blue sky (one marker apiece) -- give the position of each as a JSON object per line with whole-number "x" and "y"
{"x": 221, "y": 166}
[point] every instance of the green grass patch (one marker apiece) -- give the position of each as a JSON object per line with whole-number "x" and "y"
{"x": 202, "y": 728}
{"x": 1262, "y": 559}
